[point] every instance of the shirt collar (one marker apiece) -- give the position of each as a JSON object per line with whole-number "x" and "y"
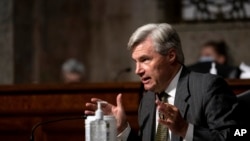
{"x": 171, "y": 89}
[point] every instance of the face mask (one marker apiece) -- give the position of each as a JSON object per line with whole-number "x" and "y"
{"x": 206, "y": 59}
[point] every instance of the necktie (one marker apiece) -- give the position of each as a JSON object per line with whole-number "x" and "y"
{"x": 162, "y": 133}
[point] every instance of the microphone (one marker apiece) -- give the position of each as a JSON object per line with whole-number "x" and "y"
{"x": 51, "y": 121}
{"x": 128, "y": 69}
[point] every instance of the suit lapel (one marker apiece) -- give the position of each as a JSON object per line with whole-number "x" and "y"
{"x": 182, "y": 92}
{"x": 148, "y": 116}
{"x": 181, "y": 96}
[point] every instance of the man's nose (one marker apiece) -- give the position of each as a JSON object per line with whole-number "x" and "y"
{"x": 138, "y": 69}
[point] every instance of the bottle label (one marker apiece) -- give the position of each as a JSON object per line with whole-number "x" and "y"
{"x": 111, "y": 131}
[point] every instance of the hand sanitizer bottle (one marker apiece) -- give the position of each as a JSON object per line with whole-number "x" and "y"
{"x": 98, "y": 127}
{"x": 213, "y": 68}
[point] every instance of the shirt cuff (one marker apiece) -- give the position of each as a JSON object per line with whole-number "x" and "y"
{"x": 123, "y": 136}
{"x": 189, "y": 134}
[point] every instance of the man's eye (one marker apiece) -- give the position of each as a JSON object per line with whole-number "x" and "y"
{"x": 144, "y": 59}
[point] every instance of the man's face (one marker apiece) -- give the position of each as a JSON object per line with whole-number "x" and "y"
{"x": 153, "y": 68}
{"x": 71, "y": 77}
{"x": 208, "y": 51}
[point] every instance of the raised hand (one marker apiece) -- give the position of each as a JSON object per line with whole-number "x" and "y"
{"x": 172, "y": 118}
{"x": 109, "y": 109}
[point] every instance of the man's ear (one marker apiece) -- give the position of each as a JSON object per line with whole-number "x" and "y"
{"x": 172, "y": 55}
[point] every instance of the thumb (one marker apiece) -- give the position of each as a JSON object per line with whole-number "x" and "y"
{"x": 119, "y": 100}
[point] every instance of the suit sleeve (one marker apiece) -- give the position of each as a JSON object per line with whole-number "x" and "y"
{"x": 219, "y": 106}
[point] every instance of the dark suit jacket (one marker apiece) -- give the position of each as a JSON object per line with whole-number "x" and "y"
{"x": 204, "y": 100}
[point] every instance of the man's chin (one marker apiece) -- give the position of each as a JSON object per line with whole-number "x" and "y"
{"x": 148, "y": 87}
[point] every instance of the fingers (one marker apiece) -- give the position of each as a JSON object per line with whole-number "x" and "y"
{"x": 165, "y": 107}
{"x": 109, "y": 109}
{"x": 106, "y": 107}
{"x": 88, "y": 112}
{"x": 172, "y": 118}
{"x": 119, "y": 100}
{"x": 166, "y": 111}
{"x": 91, "y": 107}
{"x": 94, "y": 100}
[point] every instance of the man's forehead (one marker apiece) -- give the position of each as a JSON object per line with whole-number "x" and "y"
{"x": 142, "y": 49}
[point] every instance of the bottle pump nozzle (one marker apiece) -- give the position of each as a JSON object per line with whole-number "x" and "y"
{"x": 98, "y": 112}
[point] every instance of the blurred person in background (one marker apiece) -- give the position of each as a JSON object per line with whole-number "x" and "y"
{"x": 219, "y": 53}
{"x": 73, "y": 71}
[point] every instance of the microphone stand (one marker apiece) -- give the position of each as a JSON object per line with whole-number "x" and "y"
{"x": 51, "y": 121}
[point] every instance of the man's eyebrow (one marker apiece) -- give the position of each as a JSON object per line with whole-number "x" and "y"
{"x": 141, "y": 57}
{"x": 144, "y": 57}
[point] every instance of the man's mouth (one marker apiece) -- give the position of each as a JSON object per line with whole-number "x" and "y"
{"x": 145, "y": 80}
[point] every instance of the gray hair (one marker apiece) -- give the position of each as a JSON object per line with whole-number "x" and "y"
{"x": 72, "y": 65}
{"x": 163, "y": 35}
